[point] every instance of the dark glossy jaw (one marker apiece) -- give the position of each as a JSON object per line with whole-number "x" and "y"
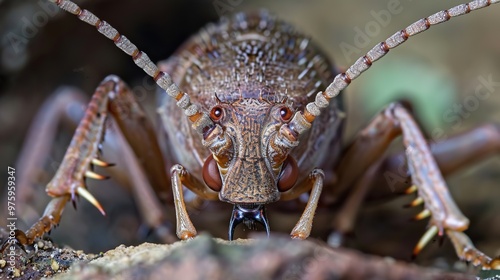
{"x": 248, "y": 214}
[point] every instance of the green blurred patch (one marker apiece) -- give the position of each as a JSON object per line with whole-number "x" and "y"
{"x": 429, "y": 88}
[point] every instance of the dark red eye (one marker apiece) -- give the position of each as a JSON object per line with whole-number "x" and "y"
{"x": 289, "y": 174}
{"x": 211, "y": 174}
{"x": 285, "y": 113}
{"x": 216, "y": 113}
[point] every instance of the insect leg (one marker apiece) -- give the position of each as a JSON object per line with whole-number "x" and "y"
{"x": 345, "y": 217}
{"x": 66, "y": 106}
{"x": 113, "y": 98}
{"x": 373, "y": 141}
{"x": 451, "y": 155}
{"x": 303, "y": 227}
{"x": 180, "y": 177}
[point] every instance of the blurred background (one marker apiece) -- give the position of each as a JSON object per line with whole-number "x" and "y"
{"x": 42, "y": 49}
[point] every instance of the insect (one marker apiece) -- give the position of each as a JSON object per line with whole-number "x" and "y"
{"x": 252, "y": 136}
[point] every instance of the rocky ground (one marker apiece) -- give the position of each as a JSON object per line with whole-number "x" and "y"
{"x": 205, "y": 257}
{"x": 43, "y": 259}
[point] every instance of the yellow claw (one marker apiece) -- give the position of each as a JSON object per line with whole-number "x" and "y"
{"x": 411, "y": 189}
{"x": 98, "y": 162}
{"x": 416, "y": 202}
{"x": 422, "y": 215}
{"x": 88, "y": 196}
{"x": 94, "y": 175}
{"x": 495, "y": 264}
{"x": 429, "y": 234}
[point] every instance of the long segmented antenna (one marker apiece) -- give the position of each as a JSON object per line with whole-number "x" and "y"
{"x": 302, "y": 121}
{"x": 201, "y": 121}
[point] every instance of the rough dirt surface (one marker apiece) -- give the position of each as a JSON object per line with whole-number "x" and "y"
{"x": 44, "y": 259}
{"x": 205, "y": 257}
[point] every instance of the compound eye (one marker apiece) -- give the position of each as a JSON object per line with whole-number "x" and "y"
{"x": 216, "y": 113}
{"x": 211, "y": 174}
{"x": 286, "y": 113}
{"x": 289, "y": 174}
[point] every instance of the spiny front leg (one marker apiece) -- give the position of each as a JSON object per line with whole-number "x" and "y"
{"x": 433, "y": 193}
{"x": 69, "y": 180}
{"x": 426, "y": 176}
{"x": 82, "y": 153}
{"x": 368, "y": 148}
{"x": 64, "y": 109}
{"x": 391, "y": 177}
{"x": 111, "y": 98}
